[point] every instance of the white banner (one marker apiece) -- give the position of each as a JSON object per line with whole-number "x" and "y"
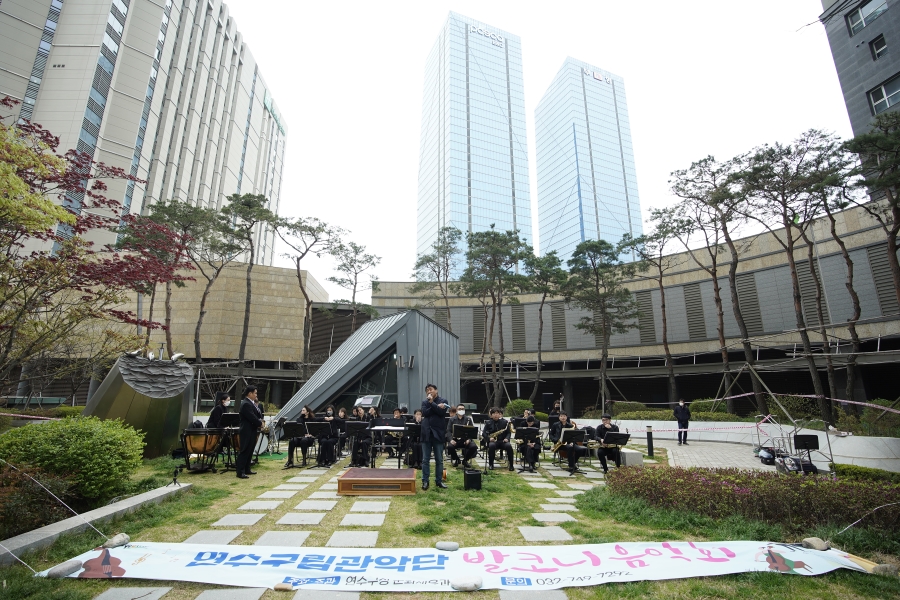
{"x": 426, "y": 569}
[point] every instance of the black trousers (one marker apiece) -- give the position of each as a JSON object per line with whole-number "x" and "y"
{"x": 414, "y": 453}
{"x": 469, "y": 450}
{"x": 303, "y": 443}
{"x": 359, "y": 452}
{"x": 248, "y": 442}
{"x": 682, "y": 435}
{"x": 530, "y": 454}
{"x": 327, "y": 450}
{"x": 492, "y": 451}
{"x": 603, "y": 453}
{"x": 573, "y": 453}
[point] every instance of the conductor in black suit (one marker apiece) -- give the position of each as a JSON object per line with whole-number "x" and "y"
{"x": 250, "y": 424}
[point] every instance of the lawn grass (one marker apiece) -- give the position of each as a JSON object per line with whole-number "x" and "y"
{"x": 488, "y": 517}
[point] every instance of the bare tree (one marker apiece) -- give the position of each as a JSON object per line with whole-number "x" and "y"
{"x": 434, "y": 270}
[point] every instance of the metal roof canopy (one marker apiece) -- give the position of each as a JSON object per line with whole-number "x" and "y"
{"x": 426, "y": 353}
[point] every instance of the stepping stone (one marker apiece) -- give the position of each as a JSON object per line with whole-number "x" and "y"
{"x": 302, "y": 479}
{"x": 232, "y": 520}
{"x": 371, "y": 498}
{"x": 552, "y": 517}
{"x": 293, "y": 486}
{"x": 586, "y": 468}
{"x": 285, "y": 494}
{"x": 530, "y": 474}
{"x": 325, "y": 496}
{"x": 532, "y": 595}
{"x": 328, "y": 486}
{"x": 542, "y": 485}
{"x": 333, "y": 480}
{"x": 594, "y": 475}
{"x": 320, "y": 595}
{"x": 232, "y": 594}
{"x": 562, "y": 507}
{"x": 261, "y": 505}
{"x": 353, "y": 539}
{"x": 133, "y": 593}
{"x": 373, "y": 507}
{"x": 650, "y": 460}
{"x": 363, "y": 521}
{"x": 581, "y": 486}
{"x": 545, "y": 534}
{"x": 560, "y": 474}
{"x": 569, "y": 493}
{"x": 211, "y": 536}
{"x": 282, "y": 538}
{"x": 301, "y": 519}
{"x": 316, "y": 505}
{"x": 560, "y": 500}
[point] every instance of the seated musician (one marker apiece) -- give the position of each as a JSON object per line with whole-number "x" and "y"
{"x": 531, "y": 450}
{"x": 306, "y": 416}
{"x": 414, "y": 459}
{"x": 328, "y": 442}
{"x": 605, "y": 427}
{"x": 396, "y": 441}
{"x": 362, "y": 444}
{"x": 496, "y": 436}
{"x": 573, "y": 451}
{"x": 223, "y": 401}
{"x": 342, "y": 431}
{"x": 453, "y": 445}
{"x": 531, "y": 418}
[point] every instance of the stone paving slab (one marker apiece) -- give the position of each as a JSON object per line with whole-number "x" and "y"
{"x": 369, "y": 498}
{"x": 353, "y": 539}
{"x": 281, "y": 494}
{"x": 712, "y": 455}
{"x": 232, "y": 594}
{"x": 328, "y": 486}
{"x": 363, "y": 520}
{"x": 569, "y": 493}
{"x": 373, "y": 507}
{"x": 532, "y": 595}
{"x": 325, "y": 496}
{"x": 581, "y": 486}
{"x": 134, "y": 593}
{"x": 301, "y": 519}
{"x": 560, "y": 500}
{"x": 292, "y": 486}
{"x": 545, "y": 534}
{"x": 530, "y": 474}
{"x": 562, "y": 507}
{"x": 552, "y": 517}
{"x": 320, "y": 595}
{"x": 333, "y": 480}
{"x": 282, "y": 538}
{"x": 594, "y": 475}
{"x": 210, "y": 536}
{"x": 261, "y": 505}
{"x": 232, "y": 520}
{"x": 560, "y": 474}
{"x": 542, "y": 485}
{"x": 316, "y": 505}
{"x": 302, "y": 479}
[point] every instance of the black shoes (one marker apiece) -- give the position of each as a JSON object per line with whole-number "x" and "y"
{"x": 424, "y": 486}
{"x": 288, "y": 465}
{"x": 242, "y": 476}
{"x": 441, "y": 484}
{"x": 511, "y": 467}
{"x": 491, "y": 467}
{"x": 466, "y": 464}
{"x": 684, "y": 443}
{"x": 251, "y": 472}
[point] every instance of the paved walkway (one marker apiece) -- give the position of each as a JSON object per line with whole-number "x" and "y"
{"x": 711, "y": 455}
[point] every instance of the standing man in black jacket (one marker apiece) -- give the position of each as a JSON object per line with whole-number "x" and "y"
{"x": 250, "y": 424}
{"x": 434, "y": 413}
{"x": 683, "y": 415}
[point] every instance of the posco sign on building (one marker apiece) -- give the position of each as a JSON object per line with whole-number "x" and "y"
{"x": 496, "y": 38}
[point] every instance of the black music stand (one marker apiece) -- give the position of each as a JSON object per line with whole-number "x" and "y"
{"x": 479, "y": 418}
{"x": 230, "y": 422}
{"x": 293, "y": 430}
{"x": 573, "y": 436}
{"x": 526, "y": 435}
{"x": 319, "y": 429}
{"x": 518, "y": 422}
{"x": 355, "y": 430}
{"x": 413, "y": 432}
{"x": 615, "y": 438}
{"x": 278, "y": 433}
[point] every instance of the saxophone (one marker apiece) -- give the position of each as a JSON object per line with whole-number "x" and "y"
{"x": 560, "y": 443}
{"x": 496, "y": 434}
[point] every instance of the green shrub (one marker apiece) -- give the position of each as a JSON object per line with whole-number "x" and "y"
{"x": 800, "y": 408}
{"x": 61, "y": 412}
{"x": 543, "y": 417}
{"x": 98, "y": 456}
{"x": 24, "y": 505}
{"x": 871, "y": 422}
{"x": 708, "y": 405}
{"x": 649, "y": 415}
{"x": 793, "y": 501}
{"x": 865, "y": 473}
{"x": 515, "y": 408}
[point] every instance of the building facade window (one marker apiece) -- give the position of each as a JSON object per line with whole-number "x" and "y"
{"x": 865, "y": 14}
{"x": 878, "y": 47}
{"x": 40, "y": 61}
{"x": 885, "y": 95}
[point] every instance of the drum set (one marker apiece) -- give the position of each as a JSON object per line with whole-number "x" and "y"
{"x": 204, "y": 446}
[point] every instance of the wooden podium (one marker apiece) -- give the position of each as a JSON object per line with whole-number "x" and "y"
{"x": 377, "y": 482}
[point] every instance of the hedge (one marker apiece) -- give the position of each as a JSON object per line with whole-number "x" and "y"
{"x": 865, "y": 473}
{"x": 650, "y": 415}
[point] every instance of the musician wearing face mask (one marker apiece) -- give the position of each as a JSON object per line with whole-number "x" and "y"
{"x": 606, "y": 426}
{"x": 496, "y": 435}
{"x": 573, "y": 451}
{"x": 453, "y": 445}
{"x": 328, "y": 442}
{"x": 223, "y": 401}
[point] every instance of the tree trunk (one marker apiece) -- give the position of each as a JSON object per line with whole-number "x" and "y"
{"x": 502, "y": 346}
{"x": 353, "y": 304}
{"x": 537, "y": 379}
{"x": 893, "y": 260}
{"x": 484, "y": 345}
{"x": 445, "y": 290}
{"x": 246, "y": 331}
{"x": 168, "y": 308}
{"x": 824, "y": 404}
{"x": 203, "y": 298}
{"x": 761, "y": 404}
{"x": 150, "y": 316}
{"x": 604, "y": 359}
{"x": 495, "y": 387}
{"x": 670, "y": 366}
{"x": 307, "y": 316}
{"x": 720, "y": 330}
{"x": 820, "y": 313}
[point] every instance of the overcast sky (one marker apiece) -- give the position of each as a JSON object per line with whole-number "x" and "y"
{"x": 701, "y": 77}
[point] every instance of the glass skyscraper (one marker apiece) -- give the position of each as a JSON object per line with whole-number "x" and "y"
{"x": 473, "y": 161}
{"x": 587, "y": 187}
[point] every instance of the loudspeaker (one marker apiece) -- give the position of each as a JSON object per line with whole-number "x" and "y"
{"x": 548, "y": 402}
{"x": 472, "y": 480}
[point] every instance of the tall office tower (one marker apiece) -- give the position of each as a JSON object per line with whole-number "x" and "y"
{"x": 587, "y": 188}
{"x": 860, "y": 34}
{"x": 473, "y": 160}
{"x": 166, "y": 90}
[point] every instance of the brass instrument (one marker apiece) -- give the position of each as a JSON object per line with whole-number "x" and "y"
{"x": 560, "y": 443}
{"x": 496, "y": 434}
